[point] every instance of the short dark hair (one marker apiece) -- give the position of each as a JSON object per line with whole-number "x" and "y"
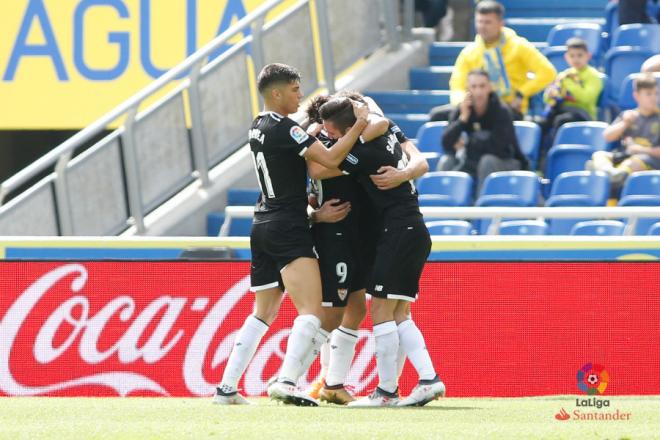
{"x": 645, "y": 81}
{"x": 577, "y": 43}
{"x": 479, "y": 72}
{"x": 490, "y": 7}
{"x": 276, "y": 73}
{"x": 314, "y": 108}
{"x": 340, "y": 112}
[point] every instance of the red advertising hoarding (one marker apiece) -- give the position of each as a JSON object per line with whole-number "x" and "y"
{"x": 166, "y": 328}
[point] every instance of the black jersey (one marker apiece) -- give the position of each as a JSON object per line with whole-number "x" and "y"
{"x": 278, "y": 144}
{"x": 398, "y": 206}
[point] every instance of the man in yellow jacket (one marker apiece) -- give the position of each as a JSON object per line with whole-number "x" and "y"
{"x": 508, "y": 59}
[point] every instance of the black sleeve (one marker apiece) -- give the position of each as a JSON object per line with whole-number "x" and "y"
{"x": 452, "y": 132}
{"x": 396, "y": 131}
{"x": 354, "y": 161}
{"x": 295, "y": 136}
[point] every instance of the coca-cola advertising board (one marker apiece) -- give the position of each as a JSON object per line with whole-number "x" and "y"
{"x": 167, "y": 328}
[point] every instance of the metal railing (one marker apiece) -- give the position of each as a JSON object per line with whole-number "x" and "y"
{"x": 497, "y": 214}
{"x": 193, "y": 69}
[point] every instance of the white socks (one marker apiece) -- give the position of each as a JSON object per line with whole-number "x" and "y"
{"x": 301, "y": 341}
{"x": 342, "y": 344}
{"x": 319, "y": 341}
{"x": 400, "y": 359}
{"x": 245, "y": 346}
{"x": 412, "y": 341}
{"x": 387, "y": 346}
{"x": 325, "y": 358}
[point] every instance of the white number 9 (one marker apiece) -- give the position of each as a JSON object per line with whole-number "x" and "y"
{"x": 342, "y": 271}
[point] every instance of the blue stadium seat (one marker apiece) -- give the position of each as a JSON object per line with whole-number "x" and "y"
{"x": 529, "y": 138}
{"x": 236, "y": 227}
{"x": 242, "y": 197}
{"x": 510, "y": 188}
{"x": 444, "y": 54}
{"x": 568, "y": 157}
{"x": 214, "y": 221}
{"x": 556, "y": 8}
{"x": 598, "y": 227}
{"x": 589, "y": 32}
{"x": 409, "y": 101}
{"x": 655, "y": 229}
{"x": 555, "y": 55}
{"x": 409, "y": 122}
{"x": 582, "y": 133}
{"x": 429, "y": 136}
{"x": 430, "y": 78}
{"x": 450, "y": 227}
{"x": 644, "y": 36}
{"x": 580, "y": 188}
{"x": 576, "y": 188}
{"x": 523, "y": 227}
{"x": 626, "y": 101}
{"x": 445, "y": 188}
{"x": 641, "y": 189}
{"x": 621, "y": 62}
{"x": 643, "y": 225}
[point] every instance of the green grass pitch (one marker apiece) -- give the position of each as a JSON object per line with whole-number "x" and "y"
{"x": 451, "y": 418}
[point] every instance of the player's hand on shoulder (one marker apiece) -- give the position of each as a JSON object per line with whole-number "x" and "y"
{"x": 388, "y": 177}
{"x": 332, "y": 211}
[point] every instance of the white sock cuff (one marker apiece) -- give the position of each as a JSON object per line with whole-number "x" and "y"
{"x": 348, "y": 331}
{"x": 257, "y": 324}
{"x": 384, "y": 328}
{"x": 308, "y": 319}
{"x": 405, "y": 325}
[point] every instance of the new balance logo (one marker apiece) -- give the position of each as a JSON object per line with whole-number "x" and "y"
{"x": 379, "y": 288}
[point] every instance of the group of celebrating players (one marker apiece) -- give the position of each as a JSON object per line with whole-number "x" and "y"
{"x": 367, "y": 236}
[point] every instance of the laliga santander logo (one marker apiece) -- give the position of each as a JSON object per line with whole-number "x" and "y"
{"x": 158, "y": 349}
{"x": 592, "y": 379}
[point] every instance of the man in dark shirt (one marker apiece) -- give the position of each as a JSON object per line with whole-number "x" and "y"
{"x": 282, "y": 248}
{"x": 403, "y": 246}
{"x": 491, "y": 144}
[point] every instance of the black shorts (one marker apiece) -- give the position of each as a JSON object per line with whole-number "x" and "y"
{"x": 273, "y": 246}
{"x": 339, "y": 264}
{"x": 400, "y": 258}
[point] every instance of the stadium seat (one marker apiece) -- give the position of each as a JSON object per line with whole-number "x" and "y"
{"x": 523, "y": 227}
{"x": 589, "y": 32}
{"x": 598, "y": 227}
{"x": 510, "y": 188}
{"x": 429, "y": 137}
{"x": 580, "y": 188}
{"x": 214, "y": 221}
{"x": 409, "y": 122}
{"x": 645, "y": 36}
{"x": 409, "y": 101}
{"x": 626, "y": 101}
{"x": 582, "y": 133}
{"x": 450, "y": 227}
{"x": 641, "y": 189}
{"x": 430, "y": 78}
{"x": 236, "y": 227}
{"x": 563, "y": 158}
{"x": 655, "y": 229}
{"x": 621, "y": 62}
{"x": 242, "y": 197}
{"x": 576, "y": 188}
{"x": 529, "y": 138}
{"x": 445, "y": 188}
{"x": 555, "y": 55}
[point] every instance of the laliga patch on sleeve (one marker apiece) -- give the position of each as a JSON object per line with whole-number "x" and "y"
{"x": 298, "y": 134}
{"x": 351, "y": 159}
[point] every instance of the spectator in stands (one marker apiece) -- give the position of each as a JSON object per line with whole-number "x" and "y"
{"x": 506, "y": 57}
{"x": 639, "y": 133}
{"x": 652, "y": 64}
{"x": 486, "y": 125}
{"x": 573, "y": 96}
{"x": 633, "y": 11}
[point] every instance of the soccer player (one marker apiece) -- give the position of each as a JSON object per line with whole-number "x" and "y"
{"x": 403, "y": 246}
{"x": 346, "y": 253}
{"x": 282, "y": 248}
